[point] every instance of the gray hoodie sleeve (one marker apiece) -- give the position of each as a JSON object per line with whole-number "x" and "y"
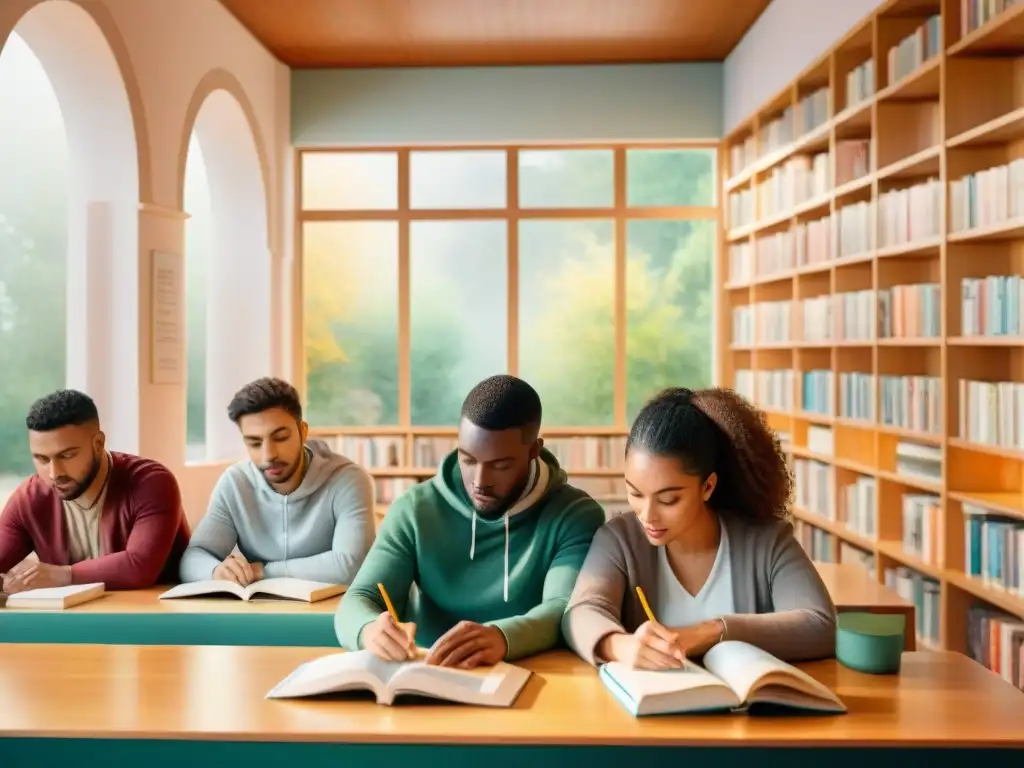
{"x": 213, "y": 539}
{"x": 352, "y": 506}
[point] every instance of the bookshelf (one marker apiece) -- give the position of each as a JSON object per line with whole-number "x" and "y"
{"x": 873, "y": 248}
{"x": 399, "y": 457}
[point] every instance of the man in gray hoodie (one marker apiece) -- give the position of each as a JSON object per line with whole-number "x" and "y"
{"x": 294, "y": 508}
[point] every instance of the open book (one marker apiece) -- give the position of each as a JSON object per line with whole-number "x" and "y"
{"x": 283, "y": 588}
{"x": 735, "y": 676}
{"x": 56, "y": 598}
{"x": 496, "y": 686}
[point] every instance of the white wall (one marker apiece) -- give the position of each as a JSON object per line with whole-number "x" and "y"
{"x": 787, "y": 37}
{"x": 507, "y": 104}
{"x": 172, "y": 54}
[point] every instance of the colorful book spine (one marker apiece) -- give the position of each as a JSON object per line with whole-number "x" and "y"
{"x": 992, "y": 413}
{"x": 991, "y": 306}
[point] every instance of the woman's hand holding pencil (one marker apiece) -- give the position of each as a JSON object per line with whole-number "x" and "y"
{"x": 655, "y": 646}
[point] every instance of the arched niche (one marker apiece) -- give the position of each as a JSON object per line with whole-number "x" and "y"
{"x": 100, "y": 117}
{"x": 238, "y": 274}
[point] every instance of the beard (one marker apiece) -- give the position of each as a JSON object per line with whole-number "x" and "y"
{"x": 279, "y": 472}
{"x": 79, "y": 486}
{"x": 494, "y": 507}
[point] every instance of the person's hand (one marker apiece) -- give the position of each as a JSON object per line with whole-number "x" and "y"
{"x": 700, "y": 638}
{"x": 237, "y": 569}
{"x": 652, "y": 646}
{"x": 468, "y": 645}
{"x": 36, "y": 576}
{"x": 389, "y": 640}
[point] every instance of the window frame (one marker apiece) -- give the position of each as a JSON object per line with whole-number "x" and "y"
{"x": 619, "y": 213}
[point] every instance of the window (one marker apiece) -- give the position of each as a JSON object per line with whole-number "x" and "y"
{"x": 198, "y": 254}
{"x": 593, "y": 286}
{"x": 351, "y": 322}
{"x": 670, "y": 177}
{"x": 668, "y": 307}
{"x": 457, "y": 180}
{"x": 567, "y": 318}
{"x": 33, "y": 250}
{"x": 349, "y": 181}
{"x": 566, "y": 178}
{"x": 459, "y": 313}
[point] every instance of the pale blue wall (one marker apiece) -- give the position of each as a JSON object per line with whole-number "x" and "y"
{"x": 507, "y": 104}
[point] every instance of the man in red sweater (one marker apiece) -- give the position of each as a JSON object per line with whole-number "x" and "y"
{"x": 89, "y": 514}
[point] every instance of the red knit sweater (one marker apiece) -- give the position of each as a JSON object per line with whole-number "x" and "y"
{"x": 143, "y": 528}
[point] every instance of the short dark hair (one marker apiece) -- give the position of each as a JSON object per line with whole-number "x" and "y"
{"x": 717, "y": 430}
{"x": 63, "y": 408}
{"x": 504, "y": 402}
{"x": 262, "y": 395}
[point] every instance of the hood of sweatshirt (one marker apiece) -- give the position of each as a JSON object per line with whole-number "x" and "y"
{"x": 323, "y": 465}
{"x": 546, "y": 478}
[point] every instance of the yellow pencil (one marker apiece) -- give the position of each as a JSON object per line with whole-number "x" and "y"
{"x": 645, "y": 604}
{"x": 387, "y": 602}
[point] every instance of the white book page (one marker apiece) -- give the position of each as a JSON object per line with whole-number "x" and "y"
{"x": 642, "y": 682}
{"x": 338, "y": 672}
{"x": 196, "y": 588}
{"x": 742, "y": 666}
{"x": 468, "y": 686}
{"x": 286, "y": 587}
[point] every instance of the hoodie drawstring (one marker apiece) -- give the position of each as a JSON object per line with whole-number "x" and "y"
{"x": 506, "y": 557}
{"x": 535, "y": 487}
{"x": 472, "y": 547}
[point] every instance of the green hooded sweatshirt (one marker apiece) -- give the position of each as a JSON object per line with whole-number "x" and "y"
{"x": 441, "y": 563}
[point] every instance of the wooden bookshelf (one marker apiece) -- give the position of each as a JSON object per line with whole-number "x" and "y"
{"x": 399, "y": 457}
{"x": 862, "y": 289}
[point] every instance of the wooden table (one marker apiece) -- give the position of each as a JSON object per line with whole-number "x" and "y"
{"x": 854, "y": 589}
{"x": 158, "y": 705}
{"x": 141, "y": 618}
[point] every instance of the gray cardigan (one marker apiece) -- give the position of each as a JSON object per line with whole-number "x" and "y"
{"x": 781, "y": 604}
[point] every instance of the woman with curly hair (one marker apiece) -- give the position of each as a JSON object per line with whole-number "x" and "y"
{"x": 709, "y": 542}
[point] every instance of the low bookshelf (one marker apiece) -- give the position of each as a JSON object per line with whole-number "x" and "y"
{"x": 873, "y": 254}
{"x": 399, "y": 457}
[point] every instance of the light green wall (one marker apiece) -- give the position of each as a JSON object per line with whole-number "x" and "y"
{"x": 507, "y": 104}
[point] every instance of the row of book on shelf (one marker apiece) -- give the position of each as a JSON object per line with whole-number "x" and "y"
{"x": 811, "y": 112}
{"x": 899, "y": 312}
{"x": 987, "y": 198}
{"x": 388, "y": 451}
{"x": 814, "y": 109}
{"x": 907, "y": 402}
{"x": 989, "y": 306}
{"x": 902, "y": 59}
{"x": 990, "y": 413}
{"x": 904, "y": 216}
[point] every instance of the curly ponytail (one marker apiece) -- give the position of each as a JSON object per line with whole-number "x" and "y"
{"x": 717, "y": 430}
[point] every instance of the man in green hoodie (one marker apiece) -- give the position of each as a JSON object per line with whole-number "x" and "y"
{"x": 481, "y": 560}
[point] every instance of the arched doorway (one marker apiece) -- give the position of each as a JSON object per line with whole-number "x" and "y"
{"x": 228, "y": 268}
{"x": 69, "y": 200}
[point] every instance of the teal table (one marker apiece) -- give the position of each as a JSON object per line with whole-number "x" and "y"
{"x": 37, "y": 753}
{"x": 140, "y": 618}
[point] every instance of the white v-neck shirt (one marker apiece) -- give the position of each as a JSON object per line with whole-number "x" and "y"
{"x": 678, "y": 608}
